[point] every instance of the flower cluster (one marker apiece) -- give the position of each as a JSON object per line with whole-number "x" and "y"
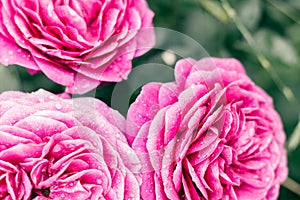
{"x": 63, "y": 149}
{"x": 210, "y": 134}
{"x": 76, "y": 43}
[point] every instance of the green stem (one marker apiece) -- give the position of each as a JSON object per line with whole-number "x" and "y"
{"x": 281, "y": 6}
{"x": 292, "y": 185}
{"x": 294, "y": 139}
{"x": 215, "y": 9}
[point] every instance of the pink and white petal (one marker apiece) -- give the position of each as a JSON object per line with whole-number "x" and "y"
{"x": 131, "y": 189}
{"x": 56, "y": 73}
{"x": 144, "y": 108}
{"x": 183, "y": 68}
{"x": 11, "y": 54}
{"x": 82, "y": 84}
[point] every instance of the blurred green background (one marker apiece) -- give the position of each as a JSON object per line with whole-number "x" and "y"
{"x": 263, "y": 35}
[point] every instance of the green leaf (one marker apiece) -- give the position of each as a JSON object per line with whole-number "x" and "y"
{"x": 294, "y": 3}
{"x": 293, "y": 33}
{"x": 284, "y": 50}
{"x": 289, "y": 9}
{"x": 276, "y": 16}
{"x": 272, "y": 44}
{"x": 215, "y": 9}
{"x": 205, "y": 29}
{"x": 250, "y": 12}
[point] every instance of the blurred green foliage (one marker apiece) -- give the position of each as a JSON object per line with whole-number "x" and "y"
{"x": 273, "y": 24}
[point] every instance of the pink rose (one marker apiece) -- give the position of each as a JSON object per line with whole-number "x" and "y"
{"x": 78, "y": 44}
{"x": 63, "y": 149}
{"x": 211, "y": 134}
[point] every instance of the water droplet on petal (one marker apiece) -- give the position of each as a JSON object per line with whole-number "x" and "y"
{"x": 6, "y": 61}
{"x": 71, "y": 184}
{"x": 58, "y": 106}
{"x": 99, "y": 181}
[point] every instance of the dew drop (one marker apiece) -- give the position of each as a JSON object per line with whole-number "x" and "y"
{"x": 71, "y": 184}
{"x": 58, "y": 106}
{"x": 99, "y": 181}
{"x": 5, "y": 60}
